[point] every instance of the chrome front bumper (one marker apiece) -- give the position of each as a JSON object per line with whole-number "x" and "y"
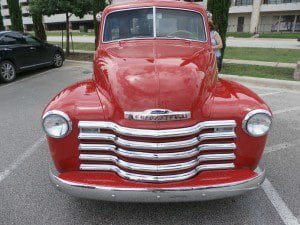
{"x": 158, "y": 195}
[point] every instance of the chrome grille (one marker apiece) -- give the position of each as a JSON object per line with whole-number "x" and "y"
{"x": 157, "y": 155}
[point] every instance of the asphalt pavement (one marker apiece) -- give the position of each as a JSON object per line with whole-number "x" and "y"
{"x": 27, "y": 196}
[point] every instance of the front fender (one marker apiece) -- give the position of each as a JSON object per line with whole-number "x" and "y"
{"x": 78, "y": 101}
{"x": 235, "y": 101}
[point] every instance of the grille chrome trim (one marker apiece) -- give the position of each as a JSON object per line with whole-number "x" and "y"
{"x": 157, "y": 146}
{"x": 157, "y": 179}
{"x": 156, "y": 156}
{"x": 180, "y": 132}
{"x": 106, "y": 146}
{"x": 157, "y": 168}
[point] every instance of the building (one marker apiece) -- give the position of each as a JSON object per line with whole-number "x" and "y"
{"x": 55, "y": 22}
{"x": 259, "y": 16}
{"x": 255, "y": 16}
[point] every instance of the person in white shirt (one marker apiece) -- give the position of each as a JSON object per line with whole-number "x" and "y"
{"x": 217, "y": 43}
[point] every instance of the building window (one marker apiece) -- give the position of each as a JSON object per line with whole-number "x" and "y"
{"x": 279, "y": 1}
{"x": 275, "y": 24}
{"x": 297, "y": 25}
{"x": 243, "y": 2}
{"x": 286, "y": 23}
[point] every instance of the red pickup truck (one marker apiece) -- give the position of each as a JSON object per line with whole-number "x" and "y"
{"x": 156, "y": 123}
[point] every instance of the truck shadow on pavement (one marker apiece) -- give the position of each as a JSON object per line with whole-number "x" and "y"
{"x": 235, "y": 210}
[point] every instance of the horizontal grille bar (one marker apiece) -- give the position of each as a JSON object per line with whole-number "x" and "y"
{"x": 156, "y": 156}
{"x": 180, "y": 132}
{"x": 158, "y": 146}
{"x": 153, "y": 178}
{"x": 157, "y": 168}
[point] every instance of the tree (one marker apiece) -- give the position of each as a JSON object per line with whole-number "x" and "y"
{"x": 68, "y": 7}
{"x": 220, "y": 11}
{"x": 98, "y": 6}
{"x": 1, "y": 21}
{"x": 15, "y": 15}
{"x": 37, "y": 19}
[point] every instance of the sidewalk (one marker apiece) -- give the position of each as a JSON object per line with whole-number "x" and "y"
{"x": 263, "y": 43}
{"x": 261, "y": 63}
{"x": 80, "y": 39}
{"x": 231, "y": 42}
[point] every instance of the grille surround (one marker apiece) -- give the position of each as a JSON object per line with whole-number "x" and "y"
{"x": 99, "y": 151}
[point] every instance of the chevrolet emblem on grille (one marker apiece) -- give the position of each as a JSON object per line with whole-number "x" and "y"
{"x": 159, "y": 115}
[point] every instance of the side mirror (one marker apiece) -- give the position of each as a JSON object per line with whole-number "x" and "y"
{"x": 99, "y": 16}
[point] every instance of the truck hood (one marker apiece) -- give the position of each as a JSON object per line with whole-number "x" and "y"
{"x": 154, "y": 76}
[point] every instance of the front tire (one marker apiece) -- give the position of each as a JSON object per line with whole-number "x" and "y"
{"x": 8, "y": 71}
{"x": 58, "y": 60}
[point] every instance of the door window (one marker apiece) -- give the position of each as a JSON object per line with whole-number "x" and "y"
{"x": 12, "y": 39}
{"x": 8, "y": 41}
{"x": 31, "y": 40}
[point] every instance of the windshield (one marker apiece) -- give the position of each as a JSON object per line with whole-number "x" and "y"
{"x": 169, "y": 23}
{"x": 129, "y": 24}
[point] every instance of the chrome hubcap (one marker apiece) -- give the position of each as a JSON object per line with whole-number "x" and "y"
{"x": 58, "y": 60}
{"x": 7, "y": 71}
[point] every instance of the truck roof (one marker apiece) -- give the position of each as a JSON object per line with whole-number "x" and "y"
{"x": 159, "y": 3}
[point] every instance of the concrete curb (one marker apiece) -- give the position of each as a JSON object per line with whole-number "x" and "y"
{"x": 81, "y": 51}
{"x": 264, "y": 82}
{"x": 78, "y": 61}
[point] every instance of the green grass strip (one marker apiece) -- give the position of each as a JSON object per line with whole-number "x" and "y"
{"x": 263, "y": 54}
{"x": 280, "y": 35}
{"x": 258, "y": 71}
{"x": 239, "y": 35}
{"x": 78, "y": 46}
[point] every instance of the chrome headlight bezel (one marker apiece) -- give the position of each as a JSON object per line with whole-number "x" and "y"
{"x": 250, "y": 115}
{"x": 63, "y": 116}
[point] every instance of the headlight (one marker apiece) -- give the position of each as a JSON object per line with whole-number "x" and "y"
{"x": 257, "y": 123}
{"x": 57, "y": 124}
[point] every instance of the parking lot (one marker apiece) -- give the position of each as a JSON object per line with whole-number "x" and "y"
{"x": 27, "y": 196}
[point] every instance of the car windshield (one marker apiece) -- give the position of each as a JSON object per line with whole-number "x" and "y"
{"x": 168, "y": 23}
{"x": 129, "y": 24}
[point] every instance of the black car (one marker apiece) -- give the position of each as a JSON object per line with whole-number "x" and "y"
{"x": 19, "y": 52}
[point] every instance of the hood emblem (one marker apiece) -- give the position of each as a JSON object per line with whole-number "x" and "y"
{"x": 159, "y": 115}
